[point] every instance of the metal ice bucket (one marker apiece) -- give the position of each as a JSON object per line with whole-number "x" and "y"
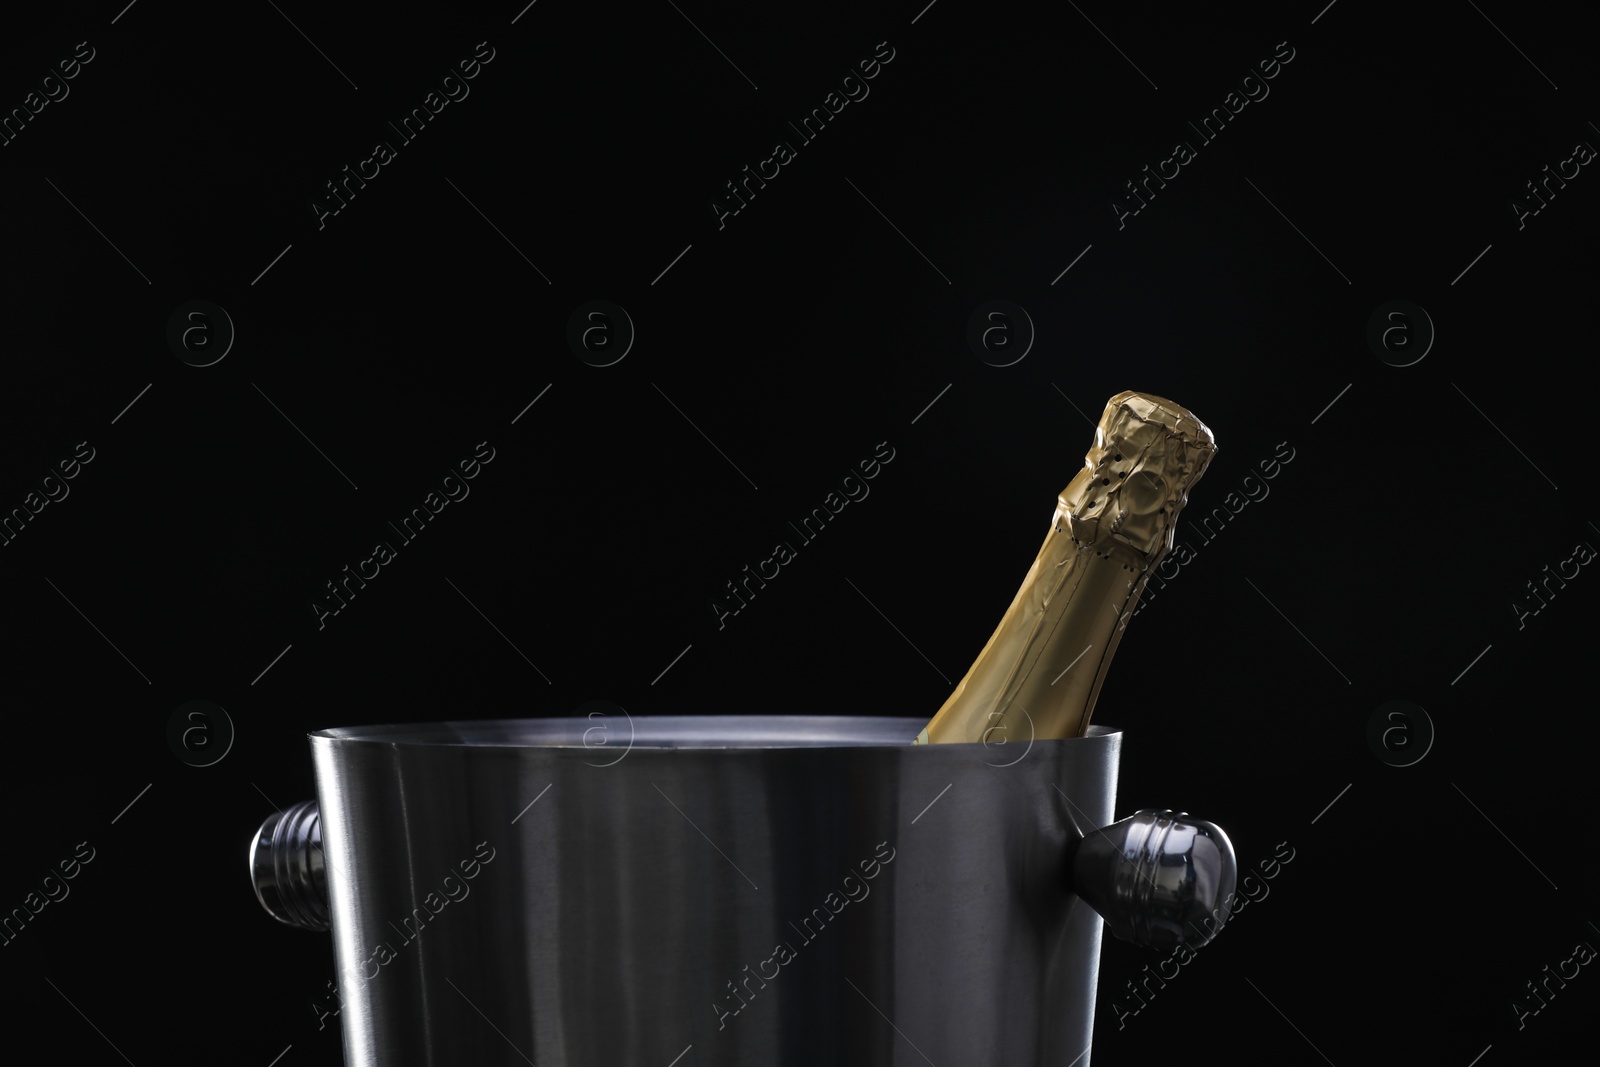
{"x": 727, "y": 890}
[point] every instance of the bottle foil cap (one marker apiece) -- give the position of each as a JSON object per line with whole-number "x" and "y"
{"x": 1147, "y": 454}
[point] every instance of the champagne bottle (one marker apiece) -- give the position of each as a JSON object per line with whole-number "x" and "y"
{"x": 1040, "y": 674}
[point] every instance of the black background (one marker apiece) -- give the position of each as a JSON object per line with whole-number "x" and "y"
{"x": 812, "y": 326}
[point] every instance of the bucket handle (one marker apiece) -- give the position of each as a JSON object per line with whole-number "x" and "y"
{"x": 1159, "y": 878}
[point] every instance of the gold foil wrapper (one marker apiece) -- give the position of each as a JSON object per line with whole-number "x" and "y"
{"x": 1040, "y": 674}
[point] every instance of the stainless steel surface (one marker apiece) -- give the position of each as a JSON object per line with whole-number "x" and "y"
{"x": 776, "y": 890}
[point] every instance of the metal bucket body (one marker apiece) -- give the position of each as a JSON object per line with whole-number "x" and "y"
{"x": 730, "y": 889}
